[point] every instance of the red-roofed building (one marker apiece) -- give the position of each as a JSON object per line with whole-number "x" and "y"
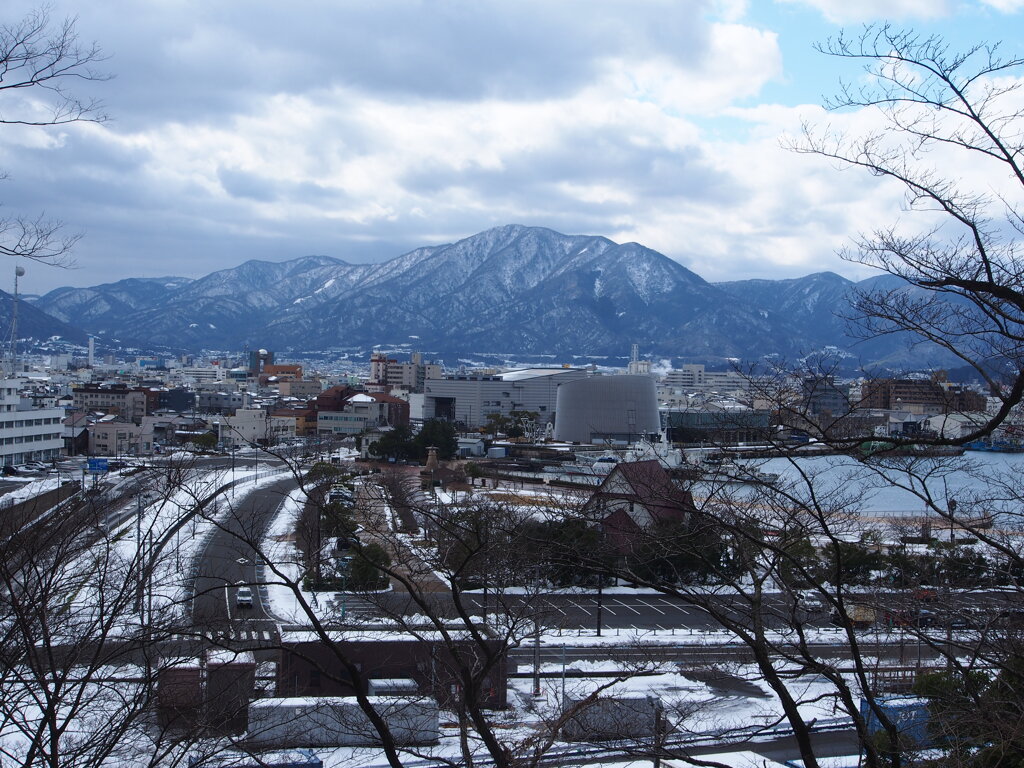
{"x": 635, "y": 496}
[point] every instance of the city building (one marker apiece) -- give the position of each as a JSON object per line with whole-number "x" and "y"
{"x": 301, "y": 389}
{"x": 696, "y": 378}
{"x": 822, "y": 396}
{"x": 469, "y": 398}
{"x": 362, "y": 411}
{"x": 252, "y": 426}
{"x": 638, "y": 367}
{"x": 222, "y": 402}
{"x": 304, "y": 420}
{"x": 112, "y": 436}
{"x": 602, "y": 409}
{"x": 179, "y": 400}
{"x": 27, "y": 433}
{"x": 258, "y": 358}
{"x": 718, "y": 424}
{"x": 921, "y": 396}
{"x": 387, "y": 373}
{"x": 202, "y": 373}
{"x": 130, "y": 404}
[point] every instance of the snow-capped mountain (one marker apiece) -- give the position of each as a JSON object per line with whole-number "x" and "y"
{"x": 514, "y": 289}
{"x": 33, "y": 323}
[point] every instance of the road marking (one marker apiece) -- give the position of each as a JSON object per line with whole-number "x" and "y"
{"x": 227, "y": 602}
{"x": 650, "y": 605}
{"x": 627, "y": 605}
{"x": 608, "y": 609}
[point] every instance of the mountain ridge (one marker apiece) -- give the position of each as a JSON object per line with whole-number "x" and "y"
{"x": 528, "y": 290}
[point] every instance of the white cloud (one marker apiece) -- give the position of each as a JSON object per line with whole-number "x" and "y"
{"x": 1005, "y": 6}
{"x": 257, "y": 135}
{"x": 846, "y": 12}
{"x": 730, "y": 10}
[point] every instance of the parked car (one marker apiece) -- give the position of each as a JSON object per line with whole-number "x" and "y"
{"x": 243, "y": 597}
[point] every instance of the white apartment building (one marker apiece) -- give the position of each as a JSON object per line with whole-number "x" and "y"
{"x": 27, "y": 433}
{"x": 202, "y": 373}
{"x": 388, "y": 372}
{"x": 253, "y": 426}
{"x": 693, "y": 378}
{"x": 362, "y": 412}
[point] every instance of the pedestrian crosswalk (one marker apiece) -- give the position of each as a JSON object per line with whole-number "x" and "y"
{"x": 346, "y": 604}
{"x": 227, "y": 636}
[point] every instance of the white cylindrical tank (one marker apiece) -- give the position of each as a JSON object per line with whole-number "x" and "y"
{"x": 602, "y": 408}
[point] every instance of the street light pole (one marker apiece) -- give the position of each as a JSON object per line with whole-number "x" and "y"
{"x": 536, "y": 657}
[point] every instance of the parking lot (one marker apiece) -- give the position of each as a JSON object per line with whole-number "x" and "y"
{"x": 623, "y": 611}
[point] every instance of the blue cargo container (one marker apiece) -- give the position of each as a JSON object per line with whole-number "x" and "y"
{"x": 908, "y": 713}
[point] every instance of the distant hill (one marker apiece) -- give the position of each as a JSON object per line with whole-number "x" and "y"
{"x": 512, "y": 289}
{"x": 36, "y": 324}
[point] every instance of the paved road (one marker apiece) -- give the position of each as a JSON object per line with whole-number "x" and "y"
{"x": 229, "y": 560}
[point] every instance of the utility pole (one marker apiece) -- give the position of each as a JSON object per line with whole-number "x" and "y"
{"x": 138, "y": 557}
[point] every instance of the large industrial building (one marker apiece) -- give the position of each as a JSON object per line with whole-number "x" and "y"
{"x": 601, "y": 409}
{"x": 470, "y": 398}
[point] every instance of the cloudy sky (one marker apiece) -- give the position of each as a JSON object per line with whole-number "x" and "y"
{"x": 361, "y": 130}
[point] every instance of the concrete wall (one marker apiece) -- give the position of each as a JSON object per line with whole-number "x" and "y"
{"x": 621, "y": 717}
{"x": 339, "y": 722}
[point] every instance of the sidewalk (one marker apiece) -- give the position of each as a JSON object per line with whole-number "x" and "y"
{"x": 372, "y": 513}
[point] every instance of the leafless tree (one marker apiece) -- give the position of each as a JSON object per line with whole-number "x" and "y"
{"x": 41, "y": 65}
{"x": 81, "y": 652}
{"x": 939, "y": 108}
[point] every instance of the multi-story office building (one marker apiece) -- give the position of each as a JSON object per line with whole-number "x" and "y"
{"x": 253, "y": 426}
{"x": 27, "y": 433}
{"x": 203, "y": 373}
{"x": 921, "y": 396}
{"x": 696, "y": 378}
{"x": 117, "y": 399}
{"x": 388, "y": 373}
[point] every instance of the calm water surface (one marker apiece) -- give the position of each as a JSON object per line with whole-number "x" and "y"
{"x": 875, "y": 488}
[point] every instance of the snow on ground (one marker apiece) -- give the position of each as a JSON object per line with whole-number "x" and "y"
{"x": 285, "y": 558}
{"x": 167, "y": 502}
{"x": 289, "y": 601}
{"x": 32, "y": 487}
